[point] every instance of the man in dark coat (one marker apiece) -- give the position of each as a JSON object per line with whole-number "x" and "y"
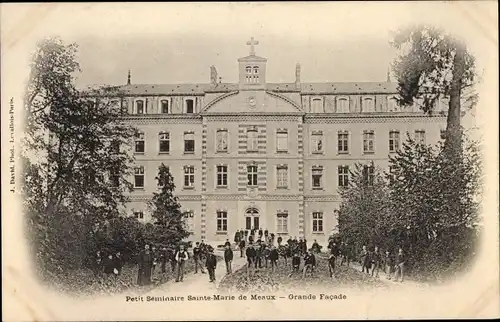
{"x": 145, "y": 263}
{"x": 315, "y": 247}
{"x": 273, "y": 257}
{"x": 309, "y": 263}
{"x": 364, "y": 260}
{"x": 389, "y": 264}
{"x": 295, "y": 264}
{"x": 108, "y": 264}
{"x": 242, "y": 247}
{"x": 211, "y": 264}
{"x": 376, "y": 259}
{"x": 304, "y": 246}
{"x": 289, "y": 241}
{"x": 260, "y": 233}
{"x": 228, "y": 258}
{"x": 171, "y": 258}
{"x": 197, "y": 258}
{"x": 227, "y": 243}
{"x": 251, "y": 255}
{"x": 163, "y": 257}
{"x": 97, "y": 264}
{"x": 237, "y": 237}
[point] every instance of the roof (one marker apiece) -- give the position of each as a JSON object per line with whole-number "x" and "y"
{"x": 252, "y": 58}
{"x": 305, "y": 88}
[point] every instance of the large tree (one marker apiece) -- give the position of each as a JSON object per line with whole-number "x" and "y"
{"x": 169, "y": 220}
{"x": 75, "y": 163}
{"x": 431, "y": 65}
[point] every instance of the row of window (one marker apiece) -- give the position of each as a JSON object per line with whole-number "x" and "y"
{"x": 282, "y": 176}
{"x": 252, "y": 220}
{"x": 140, "y": 107}
{"x": 317, "y": 141}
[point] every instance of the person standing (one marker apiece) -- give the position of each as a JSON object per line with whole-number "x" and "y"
{"x": 389, "y": 263}
{"x": 315, "y": 247}
{"x": 251, "y": 257}
{"x": 304, "y": 246}
{"x": 228, "y": 258}
{"x": 97, "y": 264}
{"x": 237, "y": 237}
{"x": 108, "y": 264}
{"x": 364, "y": 260}
{"x": 181, "y": 257}
{"x": 145, "y": 263}
{"x": 376, "y": 261}
{"x": 242, "y": 247}
{"x": 260, "y": 233}
{"x": 295, "y": 264}
{"x": 227, "y": 243}
{"x": 211, "y": 264}
{"x": 400, "y": 264}
{"x": 309, "y": 263}
{"x": 163, "y": 260}
{"x": 273, "y": 257}
{"x": 197, "y": 258}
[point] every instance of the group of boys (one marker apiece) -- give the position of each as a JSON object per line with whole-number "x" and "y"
{"x": 111, "y": 264}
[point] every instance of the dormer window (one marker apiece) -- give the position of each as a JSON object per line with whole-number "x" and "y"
{"x": 368, "y": 105}
{"x": 342, "y": 105}
{"x": 139, "y": 107}
{"x": 190, "y": 106}
{"x": 164, "y": 107}
{"x": 252, "y": 74}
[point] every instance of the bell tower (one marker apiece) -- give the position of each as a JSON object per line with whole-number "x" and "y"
{"x": 252, "y": 70}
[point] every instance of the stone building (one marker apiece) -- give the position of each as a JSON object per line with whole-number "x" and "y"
{"x": 259, "y": 154}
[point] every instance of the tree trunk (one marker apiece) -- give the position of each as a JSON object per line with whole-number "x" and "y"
{"x": 454, "y": 131}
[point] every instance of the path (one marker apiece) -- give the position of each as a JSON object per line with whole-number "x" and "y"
{"x": 199, "y": 283}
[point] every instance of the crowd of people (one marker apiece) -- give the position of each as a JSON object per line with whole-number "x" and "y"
{"x": 261, "y": 251}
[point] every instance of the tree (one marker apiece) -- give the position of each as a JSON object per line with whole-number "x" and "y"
{"x": 435, "y": 202}
{"x": 432, "y": 65}
{"x": 364, "y": 211}
{"x": 74, "y": 169}
{"x": 169, "y": 224}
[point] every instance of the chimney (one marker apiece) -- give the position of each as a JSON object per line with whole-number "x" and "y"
{"x": 297, "y": 76}
{"x": 128, "y": 78}
{"x": 388, "y": 74}
{"x": 213, "y": 75}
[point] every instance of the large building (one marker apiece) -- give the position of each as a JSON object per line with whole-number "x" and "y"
{"x": 259, "y": 154}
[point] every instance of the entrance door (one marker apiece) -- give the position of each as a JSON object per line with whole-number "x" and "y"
{"x": 252, "y": 218}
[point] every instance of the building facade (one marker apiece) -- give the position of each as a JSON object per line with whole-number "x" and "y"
{"x": 264, "y": 155}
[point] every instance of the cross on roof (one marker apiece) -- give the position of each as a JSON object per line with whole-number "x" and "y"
{"x": 252, "y": 44}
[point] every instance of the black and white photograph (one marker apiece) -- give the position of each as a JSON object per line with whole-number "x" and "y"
{"x": 249, "y": 161}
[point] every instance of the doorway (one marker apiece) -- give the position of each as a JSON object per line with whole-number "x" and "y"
{"x": 252, "y": 219}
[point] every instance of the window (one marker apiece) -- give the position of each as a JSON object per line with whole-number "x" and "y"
{"x": 248, "y": 69}
{"x": 221, "y": 140}
{"x": 342, "y": 105}
{"x": 317, "y": 142}
{"x": 188, "y": 142}
{"x": 317, "y": 222}
{"x": 369, "y": 174}
{"x": 255, "y": 78}
{"x": 343, "y": 142}
{"x": 189, "y": 176}
{"x": 393, "y": 141}
{"x": 252, "y": 139}
{"x": 164, "y": 106}
{"x": 139, "y": 177}
{"x": 282, "y": 222}
{"x": 190, "y": 106}
{"x": 222, "y": 221}
{"x": 392, "y": 104}
{"x": 222, "y": 176}
{"x": 282, "y": 176}
{"x": 255, "y": 69}
{"x": 115, "y": 146}
{"x": 189, "y": 220}
{"x": 368, "y": 141}
{"x": 317, "y": 105}
{"x": 420, "y": 136}
{"x": 282, "y": 141}
{"x": 343, "y": 175}
{"x": 164, "y": 138}
{"x": 317, "y": 177}
{"x": 139, "y": 214}
{"x": 139, "y": 107}
{"x": 368, "y": 105}
{"x": 252, "y": 175}
{"x": 114, "y": 177}
{"x": 139, "y": 142}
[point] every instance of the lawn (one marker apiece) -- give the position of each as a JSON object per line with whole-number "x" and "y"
{"x": 83, "y": 281}
{"x": 265, "y": 281}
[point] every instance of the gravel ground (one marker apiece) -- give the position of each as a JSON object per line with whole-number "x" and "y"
{"x": 265, "y": 281}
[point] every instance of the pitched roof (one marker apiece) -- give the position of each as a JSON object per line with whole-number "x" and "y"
{"x": 305, "y": 88}
{"x": 252, "y": 58}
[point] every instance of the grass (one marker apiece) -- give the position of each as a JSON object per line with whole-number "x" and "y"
{"x": 83, "y": 282}
{"x": 265, "y": 281}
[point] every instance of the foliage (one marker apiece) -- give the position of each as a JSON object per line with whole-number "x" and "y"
{"x": 169, "y": 226}
{"x": 433, "y": 64}
{"x": 428, "y": 205}
{"x": 364, "y": 208}
{"x": 74, "y": 170}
